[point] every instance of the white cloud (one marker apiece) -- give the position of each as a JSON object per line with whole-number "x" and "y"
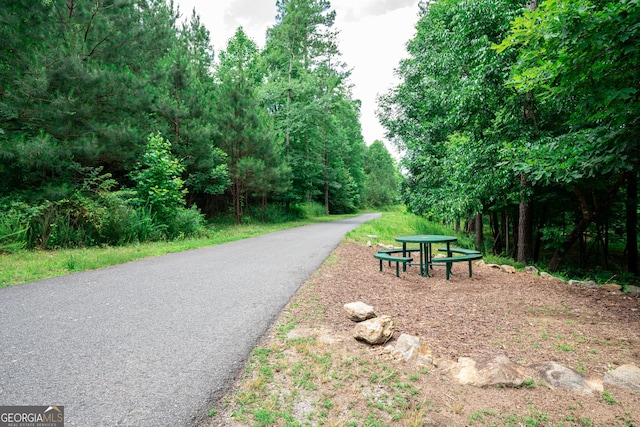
{"x": 381, "y": 7}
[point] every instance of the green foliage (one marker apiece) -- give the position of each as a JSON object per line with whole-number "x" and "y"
{"x": 311, "y": 210}
{"x": 382, "y": 178}
{"x": 84, "y": 85}
{"x": 158, "y": 181}
{"x": 314, "y": 115}
{"x": 506, "y": 108}
{"x": 14, "y": 226}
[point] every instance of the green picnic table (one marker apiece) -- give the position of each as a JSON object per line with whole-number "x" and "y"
{"x": 425, "y": 241}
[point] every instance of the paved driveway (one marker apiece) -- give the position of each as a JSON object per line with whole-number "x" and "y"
{"x": 152, "y": 342}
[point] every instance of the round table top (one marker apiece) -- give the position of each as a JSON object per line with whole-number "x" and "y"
{"x": 426, "y": 238}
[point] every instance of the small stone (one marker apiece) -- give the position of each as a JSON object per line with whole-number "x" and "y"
{"x": 489, "y": 371}
{"x": 530, "y": 269}
{"x": 374, "y": 331}
{"x": 626, "y": 376}
{"x": 559, "y": 376}
{"x": 589, "y": 284}
{"x": 632, "y": 290}
{"x": 508, "y": 269}
{"x": 610, "y": 287}
{"x": 359, "y": 311}
{"x": 413, "y": 349}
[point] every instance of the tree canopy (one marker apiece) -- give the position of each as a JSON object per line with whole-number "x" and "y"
{"x": 532, "y": 104}
{"x": 107, "y": 104}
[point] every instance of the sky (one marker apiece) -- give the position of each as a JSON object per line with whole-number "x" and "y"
{"x": 373, "y": 35}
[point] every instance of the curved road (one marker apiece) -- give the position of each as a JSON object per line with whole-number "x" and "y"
{"x": 153, "y": 342}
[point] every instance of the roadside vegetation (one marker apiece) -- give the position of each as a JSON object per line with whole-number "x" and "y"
{"x": 24, "y": 265}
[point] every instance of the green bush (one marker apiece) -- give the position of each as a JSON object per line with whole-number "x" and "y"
{"x": 158, "y": 182}
{"x": 313, "y": 210}
{"x": 275, "y": 213}
{"x": 14, "y": 225}
{"x": 186, "y": 223}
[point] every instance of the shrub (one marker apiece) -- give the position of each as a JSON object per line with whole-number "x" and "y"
{"x": 186, "y": 223}
{"x": 14, "y": 224}
{"x": 158, "y": 182}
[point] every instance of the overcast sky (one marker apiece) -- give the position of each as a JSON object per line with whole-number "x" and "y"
{"x": 373, "y": 34}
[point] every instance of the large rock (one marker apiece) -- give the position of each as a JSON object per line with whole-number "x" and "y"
{"x": 413, "y": 349}
{"x": 559, "y": 376}
{"x": 359, "y": 311}
{"x": 489, "y": 371}
{"x": 627, "y": 376}
{"x": 374, "y": 331}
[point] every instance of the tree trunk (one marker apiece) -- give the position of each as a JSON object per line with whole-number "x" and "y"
{"x": 587, "y": 218}
{"x": 632, "y": 222}
{"x": 525, "y": 224}
{"x": 496, "y": 230}
{"x": 538, "y": 240}
{"x": 479, "y": 232}
{"x": 505, "y": 235}
{"x": 236, "y": 191}
{"x": 326, "y": 181}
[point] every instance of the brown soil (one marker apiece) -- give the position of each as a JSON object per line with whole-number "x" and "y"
{"x": 526, "y": 318}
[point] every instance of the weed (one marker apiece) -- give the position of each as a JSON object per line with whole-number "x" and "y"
{"x": 479, "y": 416}
{"x": 414, "y": 417}
{"x": 265, "y": 417}
{"x": 609, "y": 398}
{"x": 585, "y": 422}
{"x": 564, "y": 347}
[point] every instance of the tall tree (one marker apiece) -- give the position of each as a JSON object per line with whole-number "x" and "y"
{"x": 581, "y": 55}
{"x": 443, "y": 111}
{"x": 304, "y": 77}
{"x": 382, "y": 177}
{"x": 243, "y": 129}
{"x": 183, "y": 86}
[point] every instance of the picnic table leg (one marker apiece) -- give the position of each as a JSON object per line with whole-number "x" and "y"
{"x": 424, "y": 262}
{"x": 449, "y": 264}
{"x": 404, "y": 253}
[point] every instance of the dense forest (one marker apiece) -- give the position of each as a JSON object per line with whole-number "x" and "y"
{"x": 524, "y": 115}
{"x": 119, "y": 124}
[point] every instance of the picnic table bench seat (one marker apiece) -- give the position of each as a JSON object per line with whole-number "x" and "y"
{"x": 462, "y": 251}
{"x": 468, "y": 255}
{"x": 398, "y": 250}
{"x": 386, "y": 256}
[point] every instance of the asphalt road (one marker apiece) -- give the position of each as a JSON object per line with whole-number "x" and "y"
{"x": 153, "y": 342}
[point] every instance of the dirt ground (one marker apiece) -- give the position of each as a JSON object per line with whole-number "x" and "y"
{"x": 527, "y": 318}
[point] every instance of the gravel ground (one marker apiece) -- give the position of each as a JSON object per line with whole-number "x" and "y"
{"x": 526, "y": 318}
